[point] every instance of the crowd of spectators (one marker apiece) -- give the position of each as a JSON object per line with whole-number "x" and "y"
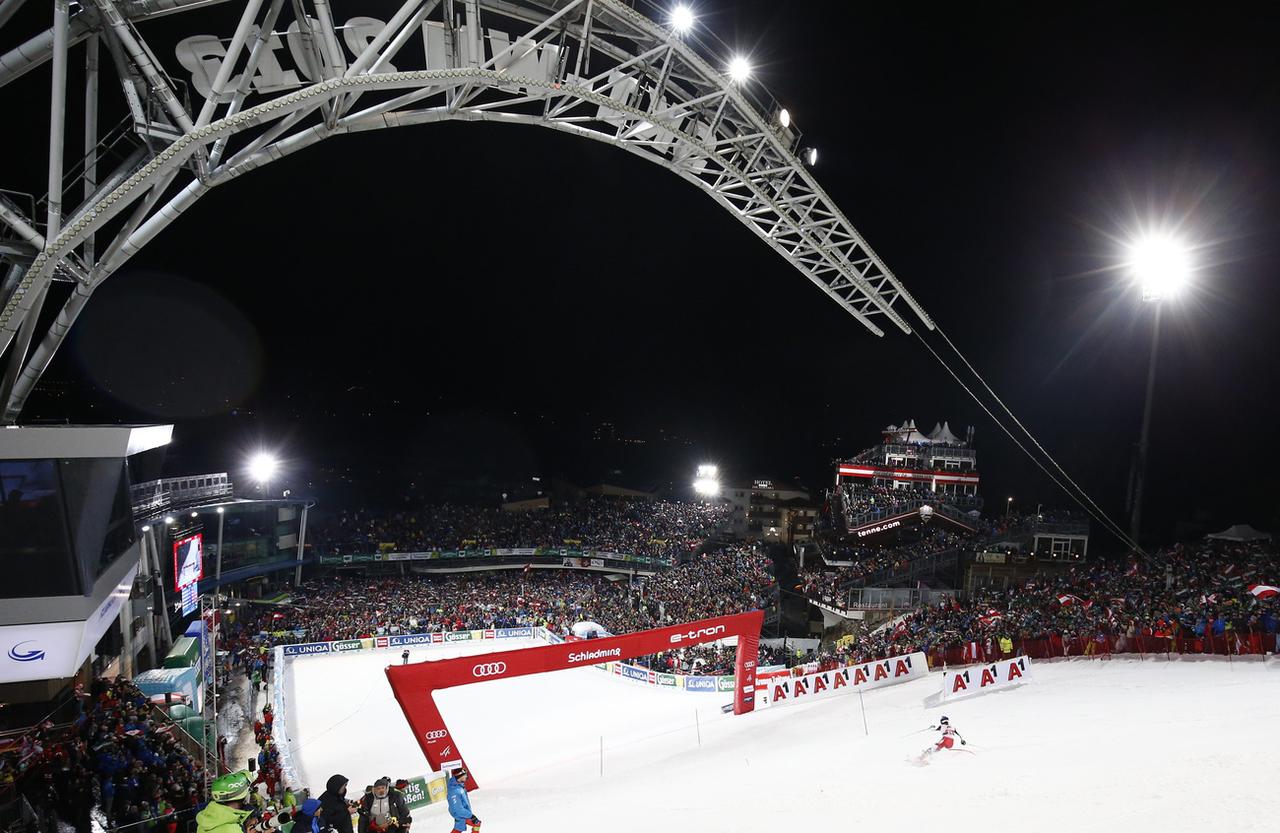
{"x": 1192, "y": 591}
{"x": 730, "y": 579}
{"x": 827, "y": 582}
{"x": 610, "y": 524}
{"x": 113, "y": 756}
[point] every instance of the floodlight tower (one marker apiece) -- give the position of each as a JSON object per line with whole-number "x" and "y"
{"x": 1161, "y": 265}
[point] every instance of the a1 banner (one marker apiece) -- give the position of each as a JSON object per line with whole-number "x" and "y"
{"x": 983, "y": 678}
{"x": 783, "y": 689}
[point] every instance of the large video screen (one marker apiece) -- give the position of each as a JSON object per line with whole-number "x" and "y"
{"x": 188, "y": 561}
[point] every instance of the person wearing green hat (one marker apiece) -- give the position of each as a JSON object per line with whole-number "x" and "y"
{"x": 226, "y": 811}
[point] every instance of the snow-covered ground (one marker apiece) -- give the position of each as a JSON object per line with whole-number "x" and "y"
{"x": 1088, "y": 746}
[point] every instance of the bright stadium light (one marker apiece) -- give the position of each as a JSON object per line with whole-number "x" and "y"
{"x": 146, "y": 527}
{"x": 739, "y": 69}
{"x": 682, "y": 18}
{"x": 262, "y": 467}
{"x": 784, "y": 118}
{"x": 169, "y": 520}
{"x": 1161, "y": 264}
{"x": 707, "y": 483}
{"x": 706, "y": 487}
{"x": 810, "y": 156}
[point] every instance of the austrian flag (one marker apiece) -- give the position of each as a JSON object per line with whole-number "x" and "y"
{"x": 1264, "y": 591}
{"x": 1066, "y": 600}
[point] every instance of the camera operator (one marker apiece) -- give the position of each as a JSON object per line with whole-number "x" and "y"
{"x": 384, "y": 809}
{"x": 226, "y": 811}
{"x": 335, "y": 809}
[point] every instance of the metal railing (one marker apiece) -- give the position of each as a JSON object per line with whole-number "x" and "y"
{"x": 155, "y": 496}
{"x": 880, "y": 598}
{"x": 937, "y": 504}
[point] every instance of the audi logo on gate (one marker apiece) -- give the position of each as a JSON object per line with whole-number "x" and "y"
{"x": 489, "y": 669}
{"x": 437, "y": 734}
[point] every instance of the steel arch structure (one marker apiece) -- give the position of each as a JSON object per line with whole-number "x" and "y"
{"x": 598, "y": 69}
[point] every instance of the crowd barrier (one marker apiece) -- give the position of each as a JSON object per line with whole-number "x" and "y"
{"x": 667, "y": 679}
{"x": 1106, "y": 644}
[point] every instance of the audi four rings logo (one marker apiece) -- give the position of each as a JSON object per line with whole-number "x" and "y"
{"x": 436, "y": 734}
{"x": 489, "y": 669}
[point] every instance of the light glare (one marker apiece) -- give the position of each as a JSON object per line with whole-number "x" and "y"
{"x": 739, "y": 69}
{"x": 1161, "y": 265}
{"x": 682, "y": 18}
{"x": 706, "y": 486}
{"x": 262, "y": 467}
{"x": 784, "y": 118}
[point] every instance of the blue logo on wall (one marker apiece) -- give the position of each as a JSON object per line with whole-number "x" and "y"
{"x": 25, "y": 656}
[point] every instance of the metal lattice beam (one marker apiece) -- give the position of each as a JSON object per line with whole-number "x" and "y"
{"x": 597, "y": 69}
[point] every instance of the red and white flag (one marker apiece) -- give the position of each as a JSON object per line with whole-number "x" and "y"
{"x": 1133, "y": 569}
{"x": 992, "y": 615}
{"x": 1067, "y": 599}
{"x": 1264, "y": 591}
{"x": 528, "y": 567}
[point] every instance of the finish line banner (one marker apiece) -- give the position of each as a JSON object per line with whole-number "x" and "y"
{"x": 785, "y": 689}
{"x": 983, "y": 678}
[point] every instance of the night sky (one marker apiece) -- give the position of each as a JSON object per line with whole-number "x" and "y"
{"x": 478, "y": 304}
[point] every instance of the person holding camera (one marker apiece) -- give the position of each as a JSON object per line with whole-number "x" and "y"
{"x": 384, "y": 809}
{"x": 335, "y": 809}
{"x": 226, "y": 811}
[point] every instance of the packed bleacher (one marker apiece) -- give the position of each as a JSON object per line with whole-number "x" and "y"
{"x": 608, "y": 524}
{"x": 728, "y": 580}
{"x": 113, "y": 758}
{"x": 1194, "y": 597}
{"x": 825, "y": 582}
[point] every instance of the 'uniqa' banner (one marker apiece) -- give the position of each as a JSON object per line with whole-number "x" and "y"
{"x": 784, "y": 689}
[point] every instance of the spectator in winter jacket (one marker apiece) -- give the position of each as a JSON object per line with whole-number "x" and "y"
{"x": 384, "y": 809}
{"x": 335, "y": 812}
{"x": 304, "y": 820}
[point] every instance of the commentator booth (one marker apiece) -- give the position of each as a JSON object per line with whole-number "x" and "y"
{"x": 69, "y": 552}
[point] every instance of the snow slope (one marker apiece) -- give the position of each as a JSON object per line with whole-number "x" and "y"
{"x": 1089, "y": 746}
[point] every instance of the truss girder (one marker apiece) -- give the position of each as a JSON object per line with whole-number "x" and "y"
{"x": 597, "y": 69}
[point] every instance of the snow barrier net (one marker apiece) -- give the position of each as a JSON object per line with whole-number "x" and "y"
{"x": 414, "y": 685}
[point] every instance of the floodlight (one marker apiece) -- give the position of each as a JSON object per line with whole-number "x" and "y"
{"x": 1161, "y": 265}
{"x": 810, "y": 156}
{"x": 195, "y": 514}
{"x": 146, "y": 527}
{"x": 784, "y": 118}
{"x": 706, "y": 486}
{"x": 262, "y": 466}
{"x": 220, "y": 510}
{"x": 169, "y": 520}
{"x": 739, "y": 69}
{"x": 682, "y": 18}
{"x": 708, "y": 471}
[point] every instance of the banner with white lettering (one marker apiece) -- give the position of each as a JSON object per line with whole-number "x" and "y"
{"x": 983, "y": 678}
{"x": 785, "y": 689}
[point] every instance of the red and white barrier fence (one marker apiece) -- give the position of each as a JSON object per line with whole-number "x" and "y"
{"x": 957, "y": 683}
{"x": 781, "y": 687}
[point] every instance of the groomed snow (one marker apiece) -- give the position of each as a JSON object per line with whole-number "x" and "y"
{"x": 1088, "y": 746}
